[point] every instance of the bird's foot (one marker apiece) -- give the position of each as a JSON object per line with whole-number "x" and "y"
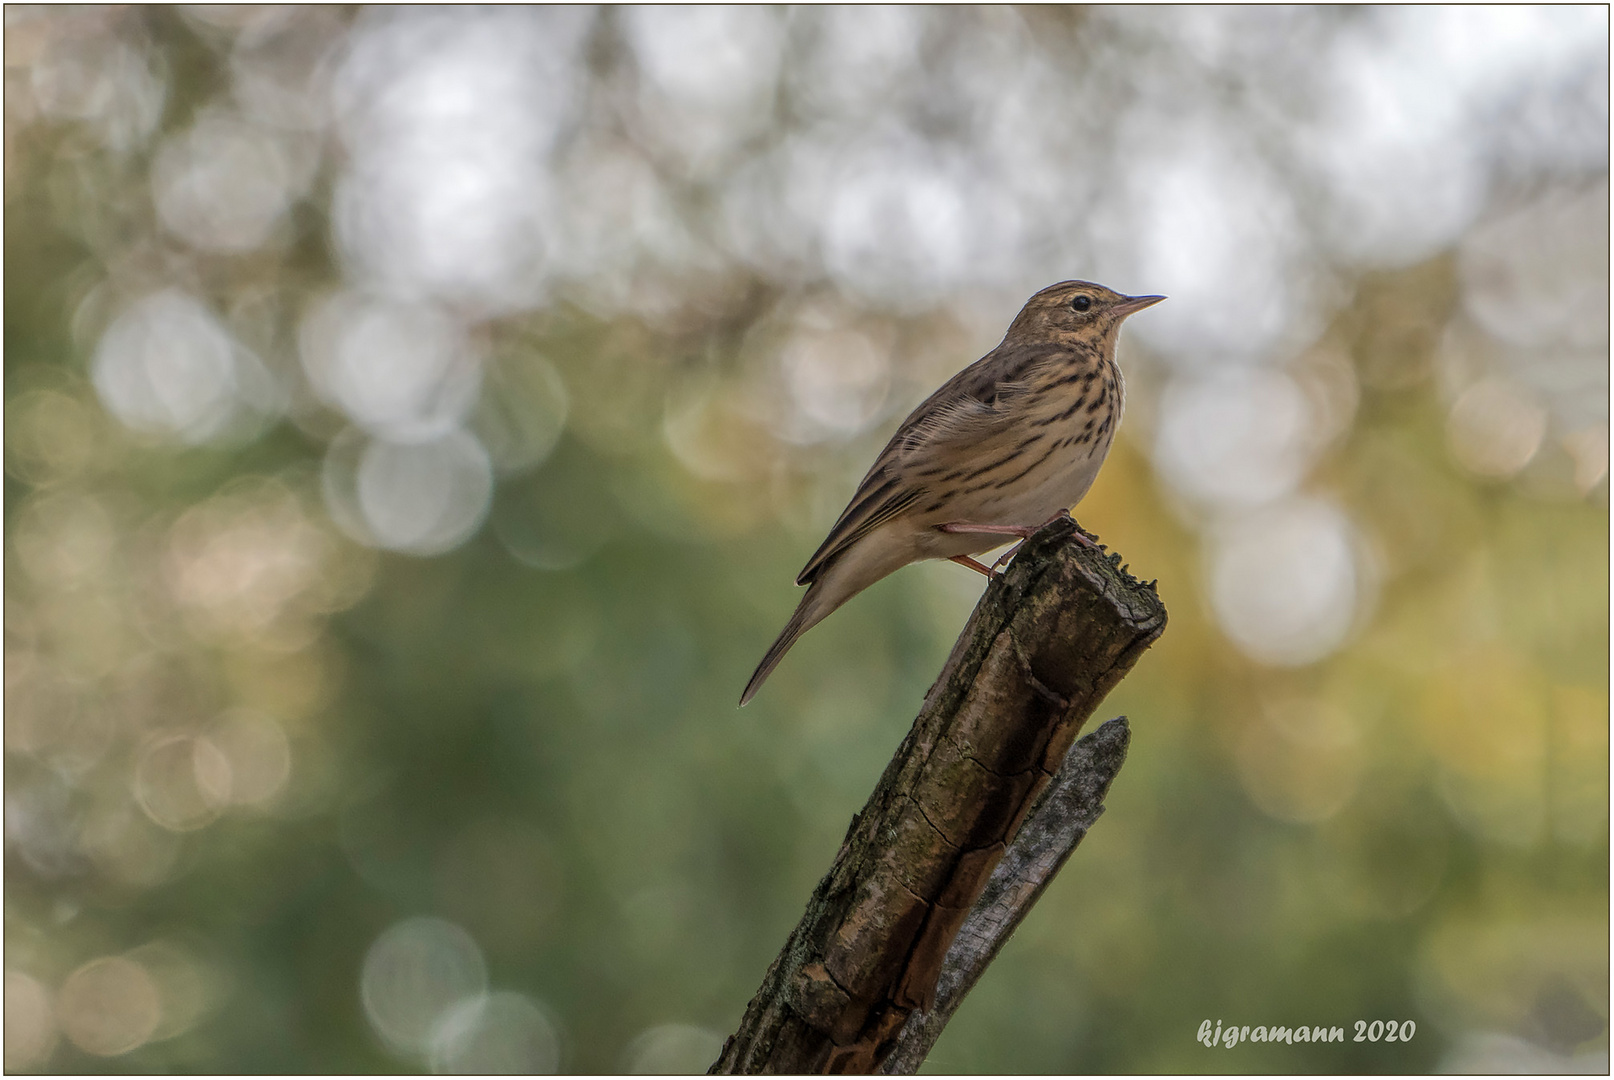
{"x": 1079, "y": 536}
{"x": 1007, "y": 555}
{"x": 1021, "y": 531}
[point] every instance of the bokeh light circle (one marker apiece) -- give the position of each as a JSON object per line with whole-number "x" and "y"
{"x": 419, "y": 498}
{"x": 502, "y": 1033}
{"x": 183, "y": 782}
{"x": 1495, "y": 428}
{"x": 222, "y": 185}
{"x": 259, "y": 755}
{"x": 1284, "y": 581}
{"x": 414, "y": 973}
{"x": 109, "y": 1006}
{"x": 30, "y": 1029}
{"x": 1242, "y": 439}
{"x": 672, "y": 1049}
{"x": 399, "y": 371}
{"x": 425, "y": 498}
{"x": 167, "y": 366}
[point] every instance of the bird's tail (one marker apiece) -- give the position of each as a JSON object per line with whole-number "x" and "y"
{"x": 834, "y": 583}
{"x": 814, "y": 606}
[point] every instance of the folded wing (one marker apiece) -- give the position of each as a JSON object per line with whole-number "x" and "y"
{"x": 970, "y": 410}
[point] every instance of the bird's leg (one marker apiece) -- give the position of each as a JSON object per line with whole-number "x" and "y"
{"x": 994, "y": 530}
{"x": 1007, "y": 555}
{"x": 1022, "y": 531}
{"x": 965, "y": 560}
{"x": 1079, "y": 536}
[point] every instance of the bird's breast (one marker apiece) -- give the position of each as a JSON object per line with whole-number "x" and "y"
{"x": 1059, "y": 446}
{"x": 1055, "y": 475}
{"x": 1042, "y": 463}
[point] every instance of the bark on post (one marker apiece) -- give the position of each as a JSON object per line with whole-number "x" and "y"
{"x": 1051, "y": 832}
{"x": 1047, "y": 642}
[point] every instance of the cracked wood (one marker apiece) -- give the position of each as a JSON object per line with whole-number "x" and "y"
{"x": 1047, "y": 642}
{"x": 1053, "y": 829}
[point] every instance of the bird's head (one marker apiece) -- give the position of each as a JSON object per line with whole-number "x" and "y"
{"x": 1076, "y": 311}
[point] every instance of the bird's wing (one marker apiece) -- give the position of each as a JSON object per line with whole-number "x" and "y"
{"x": 968, "y": 410}
{"x": 879, "y": 499}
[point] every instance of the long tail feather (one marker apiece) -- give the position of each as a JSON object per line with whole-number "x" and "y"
{"x": 835, "y": 582}
{"x": 808, "y": 613}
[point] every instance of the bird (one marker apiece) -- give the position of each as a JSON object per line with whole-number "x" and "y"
{"x": 1005, "y": 446}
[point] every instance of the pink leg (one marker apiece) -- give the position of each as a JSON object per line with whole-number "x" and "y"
{"x": 1081, "y": 538}
{"x": 965, "y": 560}
{"x": 1022, "y": 531}
{"x": 1006, "y": 556}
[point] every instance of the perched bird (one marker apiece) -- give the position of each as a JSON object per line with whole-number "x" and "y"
{"x": 1005, "y": 446}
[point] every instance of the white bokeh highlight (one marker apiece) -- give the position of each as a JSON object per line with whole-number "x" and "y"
{"x": 1495, "y": 428}
{"x": 837, "y": 380}
{"x": 414, "y": 974}
{"x": 1287, "y": 582}
{"x": 449, "y": 117}
{"x": 672, "y": 1049}
{"x": 281, "y": 66}
{"x": 402, "y": 371}
{"x": 422, "y": 498}
{"x": 1530, "y": 276}
{"x": 501, "y": 1034}
{"x": 1401, "y": 147}
{"x": 102, "y": 80}
{"x": 1213, "y": 226}
{"x": 1240, "y": 440}
{"x": 223, "y": 184}
{"x": 166, "y": 365}
{"x": 707, "y": 74}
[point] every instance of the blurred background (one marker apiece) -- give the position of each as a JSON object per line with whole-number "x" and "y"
{"x": 415, "y": 419}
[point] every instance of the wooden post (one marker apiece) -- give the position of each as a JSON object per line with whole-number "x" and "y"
{"x": 1047, "y": 642}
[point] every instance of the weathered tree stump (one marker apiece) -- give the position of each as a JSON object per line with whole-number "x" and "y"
{"x": 858, "y": 978}
{"x": 1051, "y": 832}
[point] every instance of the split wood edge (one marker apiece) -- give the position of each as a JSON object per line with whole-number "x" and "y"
{"x": 1050, "y": 834}
{"x": 863, "y": 975}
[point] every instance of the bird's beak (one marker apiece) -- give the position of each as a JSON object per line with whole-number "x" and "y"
{"x": 1134, "y": 303}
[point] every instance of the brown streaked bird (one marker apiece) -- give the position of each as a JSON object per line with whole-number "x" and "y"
{"x": 1005, "y": 446}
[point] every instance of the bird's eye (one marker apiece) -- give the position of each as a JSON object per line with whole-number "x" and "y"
{"x": 1081, "y": 303}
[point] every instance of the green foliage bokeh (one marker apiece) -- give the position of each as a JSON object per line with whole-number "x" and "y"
{"x": 533, "y": 735}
